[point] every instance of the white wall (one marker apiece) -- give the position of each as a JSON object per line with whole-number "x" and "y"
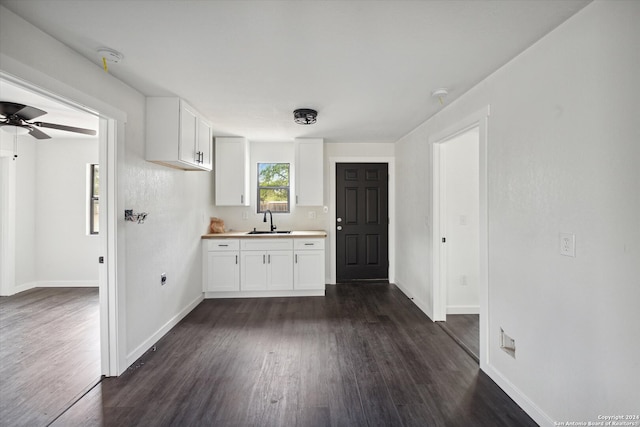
{"x": 297, "y": 219}
{"x": 563, "y": 156}
{"x": 25, "y": 208}
{"x": 177, "y": 201}
{"x": 64, "y": 253}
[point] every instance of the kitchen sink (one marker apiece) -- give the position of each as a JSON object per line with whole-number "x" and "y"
{"x": 269, "y": 232}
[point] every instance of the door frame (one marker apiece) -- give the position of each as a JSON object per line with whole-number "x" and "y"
{"x": 478, "y": 119}
{"x": 111, "y": 137}
{"x": 331, "y": 233}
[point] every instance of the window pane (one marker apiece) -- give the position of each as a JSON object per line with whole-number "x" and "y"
{"x": 274, "y": 199}
{"x": 273, "y": 187}
{"x": 273, "y": 174}
{"x": 96, "y": 180}
{"x": 95, "y": 216}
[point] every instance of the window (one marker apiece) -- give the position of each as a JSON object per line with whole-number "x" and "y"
{"x": 273, "y": 187}
{"x": 94, "y": 199}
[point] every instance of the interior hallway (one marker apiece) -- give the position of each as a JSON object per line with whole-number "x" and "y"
{"x": 49, "y": 352}
{"x": 362, "y": 355}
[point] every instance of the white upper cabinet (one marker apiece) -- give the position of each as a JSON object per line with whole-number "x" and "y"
{"x": 232, "y": 171}
{"x": 177, "y": 135}
{"x": 309, "y": 171}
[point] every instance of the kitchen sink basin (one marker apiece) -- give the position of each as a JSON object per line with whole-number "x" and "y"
{"x": 268, "y": 232}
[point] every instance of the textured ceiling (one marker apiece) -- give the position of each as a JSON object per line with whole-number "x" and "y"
{"x": 368, "y": 67}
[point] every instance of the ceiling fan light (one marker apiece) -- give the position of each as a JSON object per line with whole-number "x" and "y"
{"x": 16, "y": 130}
{"x": 305, "y": 116}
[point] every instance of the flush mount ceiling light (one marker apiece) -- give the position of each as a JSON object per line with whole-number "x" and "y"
{"x": 305, "y": 116}
{"x": 16, "y": 129}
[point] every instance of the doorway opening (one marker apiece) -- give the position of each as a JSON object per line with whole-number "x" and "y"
{"x": 78, "y": 297}
{"x": 460, "y": 266}
{"x": 459, "y": 228}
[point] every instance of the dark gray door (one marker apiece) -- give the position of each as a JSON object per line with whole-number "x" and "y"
{"x": 362, "y": 221}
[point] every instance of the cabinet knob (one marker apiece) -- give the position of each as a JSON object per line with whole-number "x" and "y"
{"x": 338, "y": 219}
{"x": 339, "y": 227}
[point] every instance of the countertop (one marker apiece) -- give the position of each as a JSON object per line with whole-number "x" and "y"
{"x": 243, "y": 235}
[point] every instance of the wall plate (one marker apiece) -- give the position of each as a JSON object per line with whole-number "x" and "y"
{"x": 568, "y": 244}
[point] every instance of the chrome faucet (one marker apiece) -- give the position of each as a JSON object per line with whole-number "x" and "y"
{"x": 273, "y": 227}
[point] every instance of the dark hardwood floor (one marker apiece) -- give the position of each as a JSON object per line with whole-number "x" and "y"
{"x": 465, "y": 330}
{"x": 364, "y": 355}
{"x": 49, "y": 352}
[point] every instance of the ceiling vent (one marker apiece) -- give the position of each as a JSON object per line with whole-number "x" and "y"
{"x": 305, "y": 116}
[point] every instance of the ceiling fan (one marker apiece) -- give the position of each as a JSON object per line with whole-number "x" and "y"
{"x": 18, "y": 120}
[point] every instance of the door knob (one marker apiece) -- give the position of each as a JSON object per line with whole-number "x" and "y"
{"x": 338, "y": 219}
{"x": 339, "y": 227}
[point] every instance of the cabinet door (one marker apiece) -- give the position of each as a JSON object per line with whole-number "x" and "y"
{"x": 188, "y": 132}
{"x": 232, "y": 168}
{"x": 223, "y": 272}
{"x": 205, "y": 144}
{"x": 309, "y": 270}
{"x": 280, "y": 270}
{"x": 309, "y": 172}
{"x": 253, "y": 275}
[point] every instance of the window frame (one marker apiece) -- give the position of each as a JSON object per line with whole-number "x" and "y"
{"x": 93, "y": 199}
{"x": 286, "y": 188}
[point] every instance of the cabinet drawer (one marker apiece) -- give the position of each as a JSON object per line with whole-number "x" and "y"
{"x": 261, "y": 244}
{"x": 223, "y": 244}
{"x": 301, "y": 244}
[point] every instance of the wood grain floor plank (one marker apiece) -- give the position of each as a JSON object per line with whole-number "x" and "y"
{"x": 364, "y": 355}
{"x": 49, "y": 352}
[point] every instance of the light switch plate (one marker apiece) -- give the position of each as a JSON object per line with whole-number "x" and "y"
{"x": 568, "y": 244}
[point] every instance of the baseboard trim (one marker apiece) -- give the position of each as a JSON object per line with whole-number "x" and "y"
{"x": 262, "y": 294}
{"x": 417, "y": 301}
{"x": 153, "y": 339}
{"x": 23, "y": 287}
{"x": 67, "y": 284}
{"x": 463, "y": 309}
{"x": 54, "y": 284}
{"x": 537, "y": 414}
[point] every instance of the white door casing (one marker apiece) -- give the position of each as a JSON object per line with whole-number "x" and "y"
{"x": 479, "y": 119}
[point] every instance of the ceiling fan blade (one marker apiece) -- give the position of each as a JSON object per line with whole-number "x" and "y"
{"x": 10, "y": 108}
{"x": 25, "y": 112}
{"x": 65, "y": 128}
{"x": 38, "y": 134}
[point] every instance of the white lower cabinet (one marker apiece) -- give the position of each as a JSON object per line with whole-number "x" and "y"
{"x": 308, "y": 264}
{"x": 221, "y": 261}
{"x": 266, "y": 270}
{"x": 254, "y": 267}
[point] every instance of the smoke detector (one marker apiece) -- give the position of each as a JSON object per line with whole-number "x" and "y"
{"x": 110, "y": 55}
{"x": 441, "y": 94}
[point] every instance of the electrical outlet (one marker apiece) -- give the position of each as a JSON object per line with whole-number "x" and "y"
{"x": 568, "y": 244}
{"x": 311, "y": 214}
{"x": 163, "y": 279}
{"x": 463, "y": 280}
{"x": 245, "y": 215}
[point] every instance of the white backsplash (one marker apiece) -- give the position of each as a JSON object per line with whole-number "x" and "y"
{"x": 234, "y": 218}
